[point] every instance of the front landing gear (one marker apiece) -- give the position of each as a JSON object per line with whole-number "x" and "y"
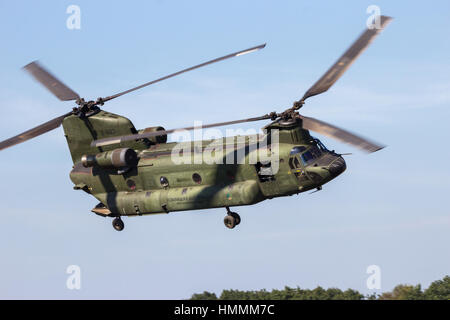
{"x": 118, "y": 224}
{"x": 232, "y": 219}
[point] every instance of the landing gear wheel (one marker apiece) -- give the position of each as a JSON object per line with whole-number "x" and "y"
{"x": 118, "y": 224}
{"x": 236, "y": 217}
{"x": 232, "y": 219}
{"x": 230, "y": 222}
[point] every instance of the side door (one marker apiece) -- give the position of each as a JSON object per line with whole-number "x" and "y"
{"x": 163, "y": 194}
{"x": 296, "y": 166}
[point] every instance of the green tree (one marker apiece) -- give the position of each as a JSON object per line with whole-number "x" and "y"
{"x": 204, "y": 296}
{"x": 351, "y": 294}
{"x": 438, "y": 290}
{"x": 403, "y": 292}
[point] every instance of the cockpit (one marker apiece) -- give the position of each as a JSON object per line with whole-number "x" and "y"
{"x": 309, "y": 153}
{"x": 313, "y": 164}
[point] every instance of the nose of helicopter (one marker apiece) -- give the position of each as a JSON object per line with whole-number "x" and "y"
{"x": 337, "y": 166}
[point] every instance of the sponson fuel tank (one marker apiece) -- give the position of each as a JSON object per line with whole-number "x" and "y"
{"x": 179, "y": 199}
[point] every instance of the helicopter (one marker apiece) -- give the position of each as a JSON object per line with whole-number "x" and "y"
{"x": 131, "y": 172}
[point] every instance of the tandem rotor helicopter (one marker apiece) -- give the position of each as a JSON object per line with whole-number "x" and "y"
{"x": 131, "y": 173}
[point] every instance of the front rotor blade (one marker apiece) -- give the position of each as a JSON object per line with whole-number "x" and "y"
{"x": 339, "y": 134}
{"x": 118, "y": 140}
{"x": 37, "y": 131}
{"x": 235, "y": 54}
{"x": 55, "y": 86}
{"x": 344, "y": 62}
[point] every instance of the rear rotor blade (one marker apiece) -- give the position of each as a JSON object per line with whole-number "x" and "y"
{"x": 118, "y": 140}
{"x": 339, "y": 134}
{"x": 344, "y": 62}
{"x": 55, "y": 86}
{"x": 235, "y": 54}
{"x": 37, "y": 131}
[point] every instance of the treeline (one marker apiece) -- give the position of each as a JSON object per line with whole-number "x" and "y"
{"x": 438, "y": 290}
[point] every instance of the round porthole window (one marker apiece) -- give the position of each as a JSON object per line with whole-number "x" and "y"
{"x": 197, "y": 178}
{"x": 164, "y": 182}
{"x": 131, "y": 184}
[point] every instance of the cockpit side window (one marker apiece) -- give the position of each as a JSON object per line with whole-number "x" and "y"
{"x": 298, "y": 149}
{"x": 313, "y": 153}
{"x": 307, "y": 156}
{"x": 297, "y": 163}
{"x": 291, "y": 163}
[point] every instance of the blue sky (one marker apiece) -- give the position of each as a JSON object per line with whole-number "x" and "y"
{"x": 389, "y": 208}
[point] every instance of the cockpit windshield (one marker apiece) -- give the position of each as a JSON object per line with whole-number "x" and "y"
{"x": 311, "y": 153}
{"x": 298, "y": 149}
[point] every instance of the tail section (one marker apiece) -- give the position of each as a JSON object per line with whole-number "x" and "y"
{"x": 80, "y": 132}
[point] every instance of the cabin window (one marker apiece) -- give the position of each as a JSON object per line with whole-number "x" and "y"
{"x": 164, "y": 182}
{"x": 264, "y": 172}
{"x": 131, "y": 184}
{"x": 197, "y": 178}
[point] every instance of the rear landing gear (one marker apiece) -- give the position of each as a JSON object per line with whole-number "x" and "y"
{"x": 232, "y": 219}
{"x": 118, "y": 224}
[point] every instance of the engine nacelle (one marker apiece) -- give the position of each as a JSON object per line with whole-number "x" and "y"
{"x": 156, "y": 139}
{"x": 117, "y": 158}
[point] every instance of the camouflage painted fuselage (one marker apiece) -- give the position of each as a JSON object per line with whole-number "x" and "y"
{"x": 158, "y": 185}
